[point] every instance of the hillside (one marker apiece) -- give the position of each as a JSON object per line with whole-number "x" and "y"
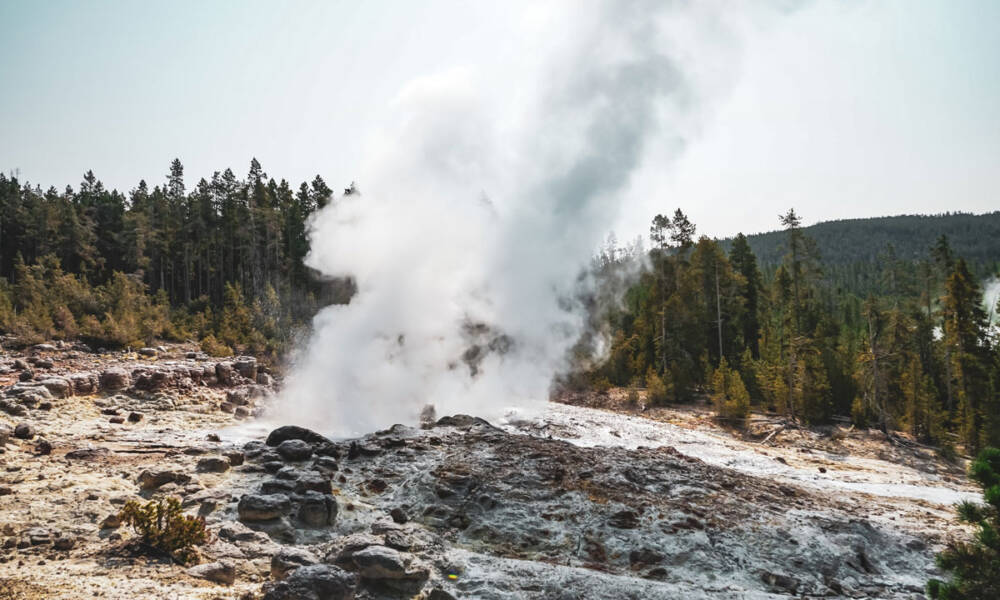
{"x": 851, "y": 241}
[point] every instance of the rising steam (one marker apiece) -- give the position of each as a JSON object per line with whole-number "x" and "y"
{"x": 991, "y": 299}
{"x": 480, "y": 206}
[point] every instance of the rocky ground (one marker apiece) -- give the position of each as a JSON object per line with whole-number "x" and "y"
{"x": 566, "y": 502}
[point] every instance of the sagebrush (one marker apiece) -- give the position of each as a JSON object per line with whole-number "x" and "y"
{"x": 162, "y": 525}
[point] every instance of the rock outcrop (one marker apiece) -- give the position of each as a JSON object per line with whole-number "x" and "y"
{"x": 314, "y": 582}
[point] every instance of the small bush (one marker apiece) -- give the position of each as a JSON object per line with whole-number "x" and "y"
{"x": 860, "y": 414}
{"x": 601, "y": 385}
{"x": 633, "y": 396}
{"x": 162, "y": 525}
{"x": 658, "y": 389}
{"x": 213, "y": 347}
{"x": 729, "y": 394}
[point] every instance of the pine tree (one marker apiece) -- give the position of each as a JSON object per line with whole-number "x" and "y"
{"x": 722, "y": 306}
{"x": 872, "y": 380}
{"x": 321, "y": 194}
{"x": 922, "y": 414}
{"x": 964, "y": 324}
{"x": 729, "y": 394}
{"x": 795, "y": 240}
{"x": 745, "y": 263}
{"x": 975, "y": 565}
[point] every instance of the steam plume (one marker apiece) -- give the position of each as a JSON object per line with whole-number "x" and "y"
{"x": 991, "y": 299}
{"x": 477, "y": 213}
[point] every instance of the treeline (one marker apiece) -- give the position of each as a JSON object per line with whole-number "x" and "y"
{"x": 221, "y": 262}
{"x": 853, "y": 249}
{"x": 920, "y": 356}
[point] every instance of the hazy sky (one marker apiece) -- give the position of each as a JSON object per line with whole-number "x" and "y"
{"x": 841, "y": 109}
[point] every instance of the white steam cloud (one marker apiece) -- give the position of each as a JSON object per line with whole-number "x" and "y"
{"x": 991, "y": 298}
{"x": 480, "y": 206}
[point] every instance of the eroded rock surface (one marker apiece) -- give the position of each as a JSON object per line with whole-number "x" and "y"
{"x": 88, "y": 439}
{"x": 458, "y": 508}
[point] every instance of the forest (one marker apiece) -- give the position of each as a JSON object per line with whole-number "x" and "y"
{"x": 853, "y": 249}
{"x": 916, "y": 353}
{"x": 221, "y": 263}
{"x": 888, "y": 337}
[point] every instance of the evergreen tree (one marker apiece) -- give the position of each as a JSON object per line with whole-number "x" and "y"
{"x": 729, "y": 394}
{"x": 975, "y": 565}
{"x": 321, "y": 194}
{"x": 745, "y": 263}
{"x": 185, "y": 244}
{"x": 964, "y": 324}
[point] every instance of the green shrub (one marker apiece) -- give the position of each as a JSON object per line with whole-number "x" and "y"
{"x": 601, "y": 385}
{"x": 632, "y": 398}
{"x": 162, "y": 525}
{"x": 729, "y": 394}
{"x": 975, "y": 565}
{"x": 658, "y": 389}
{"x": 213, "y": 347}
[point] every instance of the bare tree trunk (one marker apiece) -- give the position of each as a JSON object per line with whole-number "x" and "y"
{"x": 718, "y": 309}
{"x": 875, "y": 376}
{"x": 187, "y": 273}
{"x": 663, "y": 321}
{"x": 663, "y": 335}
{"x": 947, "y": 376}
{"x": 792, "y": 363}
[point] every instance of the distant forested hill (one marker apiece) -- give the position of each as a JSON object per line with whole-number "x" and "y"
{"x": 853, "y": 243}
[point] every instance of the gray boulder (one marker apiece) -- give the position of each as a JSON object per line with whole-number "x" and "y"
{"x": 294, "y": 432}
{"x": 288, "y": 560}
{"x": 24, "y": 431}
{"x": 150, "y": 480}
{"x": 317, "y": 510}
{"x": 220, "y": 572}
{"x": 23, "y": 389}
{"x": 381, "y": 563}
{"x": 83, "y": 383}
{"x": 60, "y": 387}
{"x": 317, "y": 483}
{"x": 213, "y": 464}
{"x": 224, "y": 373}
{"x": 314, "y": 582}
{"x": 246, "y": 366}
{"x": 13, "y": 409}
{"x": 238, "y": 397}
{"x": 239, "y": 534}
{"x": 115, "y": 378}
{"x": 263, "y": 507}
{"x": 294, "y": 450}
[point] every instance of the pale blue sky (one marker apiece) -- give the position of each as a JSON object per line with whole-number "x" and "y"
{"x": 841, "y": 109}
